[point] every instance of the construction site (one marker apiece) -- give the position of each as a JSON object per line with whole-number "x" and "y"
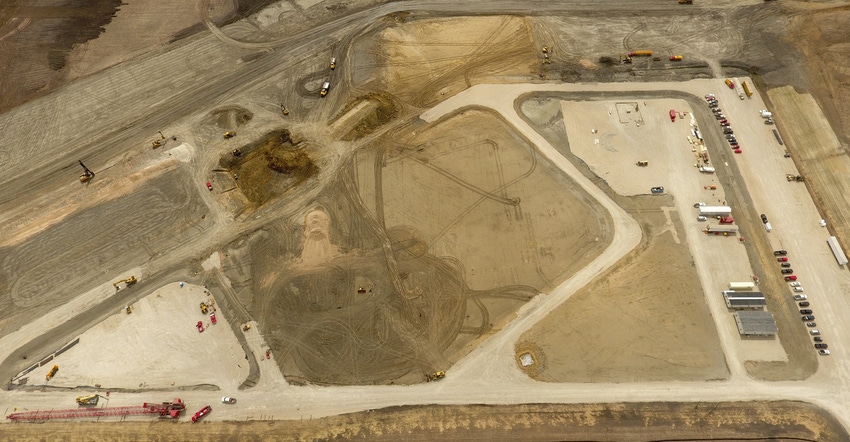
{"x": 340, "y": 216}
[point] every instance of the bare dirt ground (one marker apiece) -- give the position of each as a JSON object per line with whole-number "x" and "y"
{"x": 367, "y": 254}
{"x": 755, "y": 421}
{"x": 341, "y": 315}
{"x": 624, "y": 326}
{"x": 125, "y": 356}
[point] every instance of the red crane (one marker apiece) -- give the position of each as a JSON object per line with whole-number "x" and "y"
{"x": 166, "y": 409}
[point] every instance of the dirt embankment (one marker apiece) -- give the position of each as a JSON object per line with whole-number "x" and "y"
{"x": 579, "y": 422}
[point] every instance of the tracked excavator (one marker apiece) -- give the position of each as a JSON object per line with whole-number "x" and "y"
{"x": 87, "y": 174}
{"x": 129, "y": 281}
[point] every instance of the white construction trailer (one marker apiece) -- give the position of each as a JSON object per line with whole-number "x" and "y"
{"x": 836, "y": 250}
{"x": 715, "y": 210}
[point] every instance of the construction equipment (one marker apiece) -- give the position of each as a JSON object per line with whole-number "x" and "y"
{"x": 88, "y": 400}
{"x": 333, "y": 63}
{"x": 204, "y": 308}
{"x": 87, "y": 174}
{"x": 642, "y": 163}
{"x": 326, "y": 86}
{"x": 52, "y": 372}
{"x": 686, "y": 2}
{"x": 166, "y": 409}
{"x": 229, "y": 134}
{"x": 797, "y": 178}
{"x": 675, "y": 58}
{"x": 545, "y": 49}
{"x": 160, "y": 142}
{"x": 246, "y": 327}
{"x": 129, "y": 281}
{"x": 128, "y": 309}
{"x": 435, "y": 376}
{"x": 283, "y": 109}
{"x": 640, "y": 54}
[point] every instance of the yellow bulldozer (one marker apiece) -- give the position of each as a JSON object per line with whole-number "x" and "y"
{"x": 88, "y": 400}
{"x": 129, "y": 281}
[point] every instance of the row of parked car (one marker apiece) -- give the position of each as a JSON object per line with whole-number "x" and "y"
{"x": 802, "y": 301}
{"x": 724, "y": 123}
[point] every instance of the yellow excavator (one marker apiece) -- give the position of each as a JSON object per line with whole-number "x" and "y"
{"x": 129, "y": 281}
{"x": 88, "y": 400}
{"x": 204, "y": 308}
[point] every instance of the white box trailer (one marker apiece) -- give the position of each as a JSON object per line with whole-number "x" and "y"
{"x": 725, "y": 229}
{"x": 749, "y": 285}
{"x": 836, "y": 250}
{"x": 715, "y": 210}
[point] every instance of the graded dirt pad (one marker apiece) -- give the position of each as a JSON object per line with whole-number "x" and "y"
{"x": 625, "y": 326}
{"x": 157, "y": 346}
{"x": 422, "y": 61}
{"x": 755, "y": 421}
{"x": 426, "y": 244}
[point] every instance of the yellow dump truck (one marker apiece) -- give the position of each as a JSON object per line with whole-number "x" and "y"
{"x": 52, "y": 372}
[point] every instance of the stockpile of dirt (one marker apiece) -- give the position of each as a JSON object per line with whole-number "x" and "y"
{"x": 270, "y": 167}
{"x": 644, "y": 320}
{"x": 230, "y": 117}
{"x": 383, "y": 109}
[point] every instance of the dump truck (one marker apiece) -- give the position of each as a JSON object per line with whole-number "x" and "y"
{"x": 88, "y": 400}
{"x": 435, "y": 376}
{"x": 686, "y": 2}
{"x": 129, "y": 281}
{"x": 333, "y": 63}
{"x": 675, "y": 58}
{"x": 746, "y": 89}
{"x": 730, "y": 83}
{"x": 52, "y": 372}
{"x": 326, "y": 86}
{"x": 640, "y": 54}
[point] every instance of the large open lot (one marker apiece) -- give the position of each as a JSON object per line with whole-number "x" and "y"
{"x": 375, "y": 195}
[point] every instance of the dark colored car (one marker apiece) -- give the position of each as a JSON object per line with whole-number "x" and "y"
{"x": 811, "y": 324}
{"x": 780, "y": 253}
{"x": 787, "y": 271}
{"x": 785, "y": 264}
{"x": 821, "y": 346}
{"x": 728, "y": 130}
{"x": 807, "y": 318}
{"x": 818, "y": 339}
{"x": 804, "y": 304}
{"x": 805, "y": 311}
